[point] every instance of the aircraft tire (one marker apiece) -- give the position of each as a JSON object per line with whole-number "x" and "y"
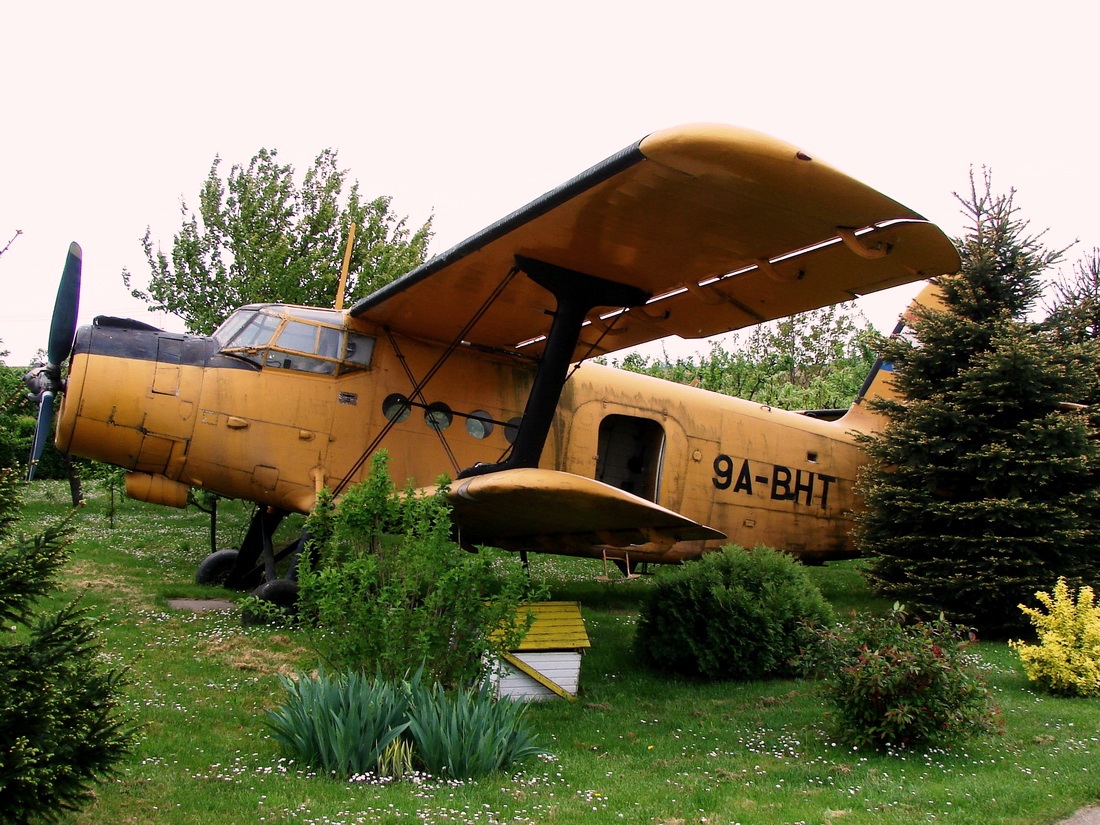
{"x": 281, "y": 592}
{"x": 216, "y": 568}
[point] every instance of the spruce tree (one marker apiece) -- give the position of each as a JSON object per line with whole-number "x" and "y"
{"x": 981, "y": 489}
{"x": 61, "y": 722}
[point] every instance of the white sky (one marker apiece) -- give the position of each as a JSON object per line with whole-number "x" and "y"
{"x": 113, "y": 111}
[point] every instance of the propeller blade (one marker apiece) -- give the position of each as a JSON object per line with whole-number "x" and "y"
{"x": 41, "y": 431}
{"x": 65, "y": 308}
{"x": 45, "y": 381}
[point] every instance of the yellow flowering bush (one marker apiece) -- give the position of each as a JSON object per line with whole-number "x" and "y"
{"x": 1067, "y": 658}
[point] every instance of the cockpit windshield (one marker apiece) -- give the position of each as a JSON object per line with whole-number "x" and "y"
{"x": 306, "y": 339}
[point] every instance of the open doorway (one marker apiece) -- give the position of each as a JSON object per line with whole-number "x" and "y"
{"x": 629, "y": 455}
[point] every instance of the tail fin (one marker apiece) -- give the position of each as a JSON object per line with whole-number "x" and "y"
{"x": 879, "y": 382}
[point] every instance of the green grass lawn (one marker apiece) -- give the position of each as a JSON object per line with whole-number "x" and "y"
{"x": 636, "y": 747}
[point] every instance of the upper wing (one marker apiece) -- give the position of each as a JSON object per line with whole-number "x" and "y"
{"x": 724, "y": 227}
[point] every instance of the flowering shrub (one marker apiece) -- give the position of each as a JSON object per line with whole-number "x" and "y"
{"x": 1067, "y": 658}
{"x": 898, "y": 685}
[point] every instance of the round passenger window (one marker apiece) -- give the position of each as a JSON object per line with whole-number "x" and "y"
{"x": 396, "y": 408}
{"x": 479, "y": 424}
{"x": 438, "y": 416}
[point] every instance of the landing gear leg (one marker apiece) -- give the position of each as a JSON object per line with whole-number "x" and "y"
{"x": 241, "y": 569}
{"x": 281, "y": 592}
{"x": 620, "y": 559}
{"x": 257, "y": 543}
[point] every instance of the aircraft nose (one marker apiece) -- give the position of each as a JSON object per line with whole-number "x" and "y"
{"x": 127, "y": 403}
{"x": 73, "y": 389}
{"x": 41, "y": 379}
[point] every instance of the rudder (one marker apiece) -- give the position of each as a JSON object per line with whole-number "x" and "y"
{"x": 879, "y": 382}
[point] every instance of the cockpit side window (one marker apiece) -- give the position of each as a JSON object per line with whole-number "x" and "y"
{"x": 306, "y": 347}
{"x": 268, "y": 337}
{"x": 357, "y": 353}
{"x": 298, "y": 337}
{"x": 256, "y": 334}
{"x": 232, "y": 325}
{"x": 302, "y": 363}
{"x": 328, "y": 342}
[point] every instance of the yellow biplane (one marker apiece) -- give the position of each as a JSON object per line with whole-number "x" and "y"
{"x": 476, "y": 365}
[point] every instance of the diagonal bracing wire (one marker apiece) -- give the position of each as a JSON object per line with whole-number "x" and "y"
{"x": 418, "y": 387}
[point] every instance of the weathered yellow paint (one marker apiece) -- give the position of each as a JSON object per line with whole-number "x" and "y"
{"x": 706, "y": 201}
{"x": 273, "y": 436}
{"x": 156, "y": 489}
{"x": 724, "y": 227}
{"x": 556, "y": 626}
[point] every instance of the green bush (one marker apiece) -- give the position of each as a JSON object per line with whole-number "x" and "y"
{"x": 1067, "y": 659}
{"x": 467, "y": 732}
{"x": 390, "y": 590}
{"x": 729, "y": 615}
{"x": 895, "y": 685}
{"x": 349, "y": 724}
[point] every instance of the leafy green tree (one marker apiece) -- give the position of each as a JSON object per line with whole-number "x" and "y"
{"x": 61, "y": 722}
{"x": 17, "y": 415}
{"x": 813, "y": 360}
{"x": 3, "y": 352}
{"x": 7, "y": 396}
{"x": 14, "y": 410}
{"x": 981, "y": 491}
{"x": 259, "y": 236}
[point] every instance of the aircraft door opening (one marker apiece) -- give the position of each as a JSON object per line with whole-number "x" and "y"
{"x": 630, "y": 455}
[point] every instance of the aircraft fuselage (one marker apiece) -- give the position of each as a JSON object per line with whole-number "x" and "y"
{"x": 285, "y": 401}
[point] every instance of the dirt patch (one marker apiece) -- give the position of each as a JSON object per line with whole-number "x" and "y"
{"x": 86, "y": 575}
{"x": 275, "y": 654}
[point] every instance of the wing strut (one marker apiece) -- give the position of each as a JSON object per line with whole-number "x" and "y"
{"x": 576, "y": 295}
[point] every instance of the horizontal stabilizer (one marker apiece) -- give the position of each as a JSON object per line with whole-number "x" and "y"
{"x": 527, "y": 508}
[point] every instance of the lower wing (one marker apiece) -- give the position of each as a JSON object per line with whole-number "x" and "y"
{"x": 535, "y": 509}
